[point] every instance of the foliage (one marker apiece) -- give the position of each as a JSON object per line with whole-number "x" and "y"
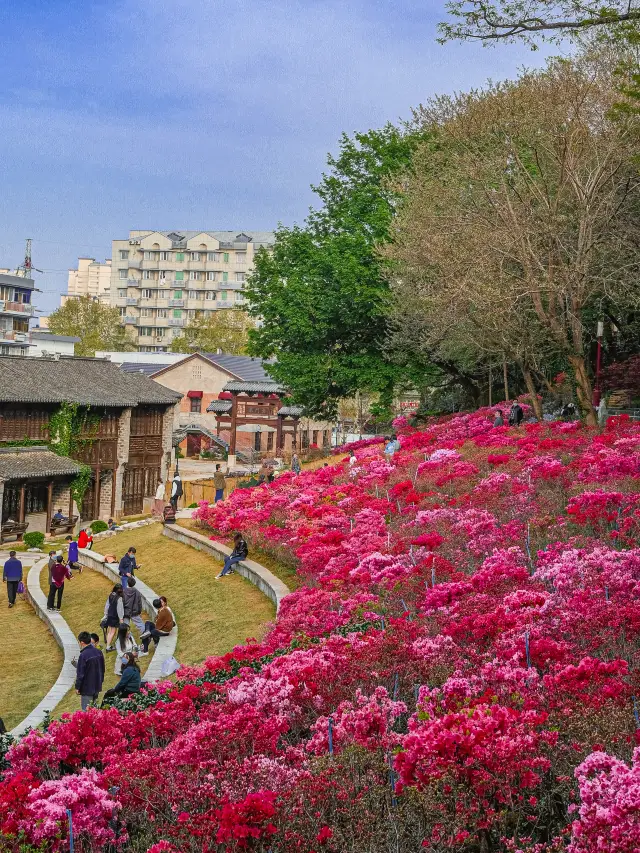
{"x": 458, "y": 673}
{"x": 99, "y": 526}
{"x": 71, "y": 429}
{"x": 225, "y": 329}
{"x": 97, "y": 325}
{"x": 530, "y": 19}
{"x": 320, "y": 293}
{"x": 517, "y": 220}
{"x": 34, "y": 539}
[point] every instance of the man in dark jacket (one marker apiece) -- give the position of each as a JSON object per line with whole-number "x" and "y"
{"x": 516, "y": 415}
{"x": 132, "y": 600}
{"x": 90, "y": 671}
{"x": 12, "y": 575}
{"x": 127, "y": 567}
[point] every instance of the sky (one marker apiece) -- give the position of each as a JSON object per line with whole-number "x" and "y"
{"x": 198, "y": 114}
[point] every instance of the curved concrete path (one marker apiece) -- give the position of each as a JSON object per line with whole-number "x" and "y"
{"x": 167, "y": 646}
{"x": 257, "y": 574}
{"x": 65, "y": 639}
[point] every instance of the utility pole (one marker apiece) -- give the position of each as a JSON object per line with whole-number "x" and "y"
{"x": 26, "y": 267}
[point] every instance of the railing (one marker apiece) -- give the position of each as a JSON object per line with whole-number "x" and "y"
{"x": 134, "y": 282}
{"x": 132, "y": 300}
{"x": 130, "y": 321}
{"x": 174, "y": 321}
{"x": 16, "y": 307}
{"x": 17, "y": 337}
{"x": 176, "y": 303}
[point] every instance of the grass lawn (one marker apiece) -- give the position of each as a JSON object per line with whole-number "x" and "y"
{"x": 31, "y": 660}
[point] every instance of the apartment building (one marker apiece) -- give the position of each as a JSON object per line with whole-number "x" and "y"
{"x": 15, "y": 312}
{"x": 161, "y": 280}
{"x": 91, "y": 278}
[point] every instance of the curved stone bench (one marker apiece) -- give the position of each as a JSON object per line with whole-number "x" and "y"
{"x": 64, "y": 637}
{"x": 167, "y": 646}
{"x": 256, "y": 574}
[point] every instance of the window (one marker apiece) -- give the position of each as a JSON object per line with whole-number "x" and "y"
{"x": 211, "y": 294}
{"x": 122, "y": 274}
{"x": 211, "y": 276}
{"x": 225, "y": 257}
{"x": 241, "y": 257}
{"x": 196, "y": 404}
{"x": 177, "y": 313}
{"x": 176, "y": 333}
{"x": 145, "y": 312}
{"x": 162, "y": 314}
{"x": 124, "y": 254}
{"x": 162, "y": 275}
{"x": 145, "y": 331}
{"x": 314, "y": 437}
{"x": 146, "y": 275}
{"x": 194, "y": 275}
{"x": 122, "y": 292}
{"x": 195, "y": 256}
{"x": 179, "y": 276}
{"x": 149, "y": 256}
{"x": 239, "y": 297}
{"x": 240, "y": 276}
{"x": 213, "y": 256}
{"x": 193, "y": 294}
{"x": 177, "y": 294}
{"x": 269, "y": 441}
{"x": 223, "y": 295}
{"x": 165, "y": 256}
{"x": 179, "y": 256}
{"x": 123, "y": 312}
{"x": 147, "y": 294}
{"x": 225, "y": 276}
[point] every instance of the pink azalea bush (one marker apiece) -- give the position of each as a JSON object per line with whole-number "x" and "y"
{"x": 457, "y": 672}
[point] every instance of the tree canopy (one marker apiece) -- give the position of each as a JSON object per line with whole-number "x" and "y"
{"x": 321, "y": 294}
{"x": 506, "y": 20}
{"x": 97, "y": 325}
{"x": 225, "y": 329}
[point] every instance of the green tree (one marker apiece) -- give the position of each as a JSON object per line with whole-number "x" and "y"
{"x": 321, "y": 293}
{"x": 225, "y": 329}
{"x": 506, "y": 20}
{"x": 97, "y": 325}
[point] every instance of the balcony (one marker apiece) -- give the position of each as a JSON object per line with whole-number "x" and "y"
{"x": 9, "y": 336}
{"x": 174, "y": 321}
{"x": 130, "y": 321}
{"x": 133, "y": 282}
{"x": 22, "y": 308}
{"x": 176, "y": 303}
{"x": 132, "y": 300}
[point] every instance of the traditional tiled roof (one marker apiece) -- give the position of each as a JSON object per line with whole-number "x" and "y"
{"x": 28, "y": 463}
{"x": 219, "y": 406}
{"x": 85, "y": 381}
{"x": 181, "y": 433}
{"x": 293, "y": 411}
{"x": 266, "y": 387}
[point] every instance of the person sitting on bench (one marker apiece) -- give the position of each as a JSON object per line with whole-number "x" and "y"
{"x": 163, "y": 626}
{"x": 58, "y": 517}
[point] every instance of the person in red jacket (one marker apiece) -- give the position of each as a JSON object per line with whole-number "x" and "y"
{"x": 59, "y": 573}
{"x": 85, "y": 539}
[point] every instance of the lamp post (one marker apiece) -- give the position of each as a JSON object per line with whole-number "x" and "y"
{"x": 596, "y": 390}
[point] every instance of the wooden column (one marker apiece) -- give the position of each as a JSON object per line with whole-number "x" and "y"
{"x": 96, "y": 494}
{"x": 234, "y": 418}
{"x": 294, "y": 444}
{"x": 70, "y": 503}
{"x": 49, "y": 505}
{"x": 113, "y": 491}
{"x": 279, "y": 436}
{"x": 21, "y": 507}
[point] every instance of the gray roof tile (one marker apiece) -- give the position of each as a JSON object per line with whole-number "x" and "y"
{"x": 220, "y": 406}
{"x": 266, "y": 387}
{"x": 28, "y": 463}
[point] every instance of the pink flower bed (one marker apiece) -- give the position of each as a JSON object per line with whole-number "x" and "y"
{"x": 459, "y": 670}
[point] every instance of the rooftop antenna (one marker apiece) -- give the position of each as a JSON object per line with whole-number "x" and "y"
{"x": 26, "y": 267}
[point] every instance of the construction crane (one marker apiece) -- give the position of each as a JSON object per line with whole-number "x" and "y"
{"x": 26, "y": 268}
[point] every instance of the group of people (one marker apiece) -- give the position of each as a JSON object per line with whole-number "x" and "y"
{"x": 90, "y": 672}
{"x": 516, "y": 416}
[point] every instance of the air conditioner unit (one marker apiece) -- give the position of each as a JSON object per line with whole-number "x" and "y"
{"x": 20, "y": 337}
{"x": 158, "y": 337}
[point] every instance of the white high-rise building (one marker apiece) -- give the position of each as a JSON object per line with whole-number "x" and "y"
{"x": 92, "y": 278}
{"x": 160, "y": 280}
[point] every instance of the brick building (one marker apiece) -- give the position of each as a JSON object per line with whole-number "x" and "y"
{"x": 124, "y": 435}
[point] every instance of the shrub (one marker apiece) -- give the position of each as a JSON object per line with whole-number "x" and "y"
{"x": 35, "y": 539}
{"x": 99, "y": 526}
{"x": 193, "y": 506}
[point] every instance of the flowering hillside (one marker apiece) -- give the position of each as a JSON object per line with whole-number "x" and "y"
{"x": 458, "y": 671}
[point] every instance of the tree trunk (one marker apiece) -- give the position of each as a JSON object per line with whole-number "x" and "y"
{"x": 531, "y": 388}
{"x": 584, "y": 391}
{"x": 506, "y": 381}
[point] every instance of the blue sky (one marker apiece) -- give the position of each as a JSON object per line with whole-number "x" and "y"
{"x": 196, "y": 113}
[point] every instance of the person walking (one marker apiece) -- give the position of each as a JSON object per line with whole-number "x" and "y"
{"x": 127, "y": 566}
{"x": 176, "y": 490}
{"x": 499, "y": 421}
{"x": 89, "y": 671}
{"x": 59, "y": 573}
{"x": 130, "y": 679}
{"x": 113, "y": 615}
{"x": 162, "y": 627}
{"x": 132, "y": 601}
{"x": 295, "y": 464}
{"x": 240, "y": 552}
{"x": 12, "y": 575}
{"x": 218, "y": 482}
